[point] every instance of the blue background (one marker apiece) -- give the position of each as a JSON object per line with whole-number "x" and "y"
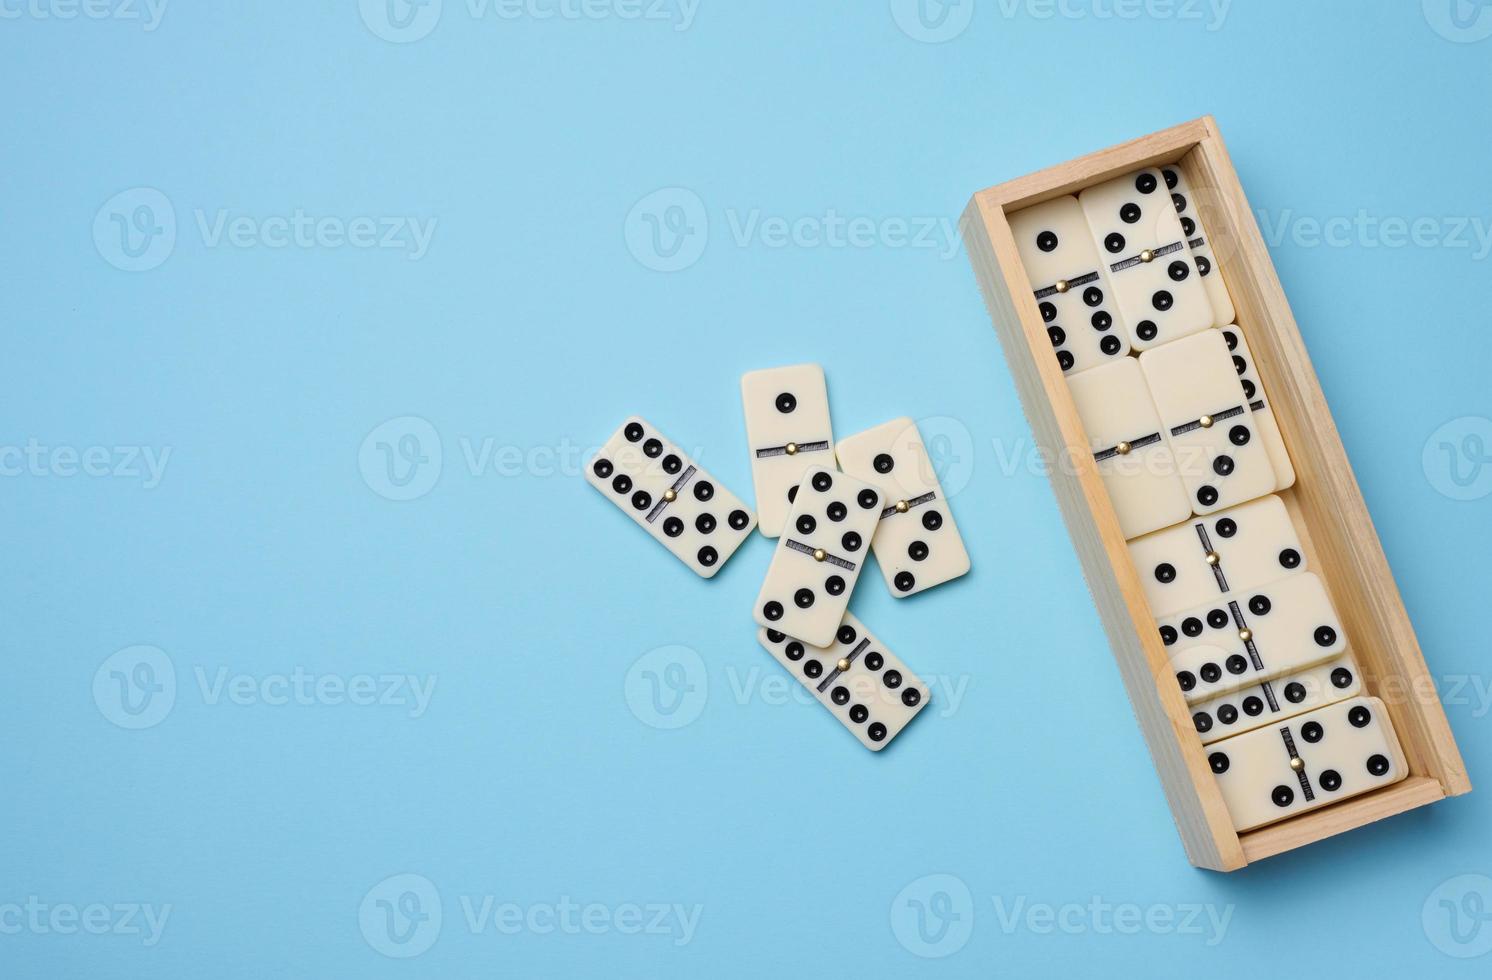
{"x": 537, "y": 319}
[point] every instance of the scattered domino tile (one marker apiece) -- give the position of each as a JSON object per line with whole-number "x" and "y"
{"x": 1200, "y": 243}
{"x": 681, "y": 505}
{"x": 819, "y": 556}
{"x": 1271, "y": 701}
{"x": 916, "y": 542}
{"x": 1207, "y": 421}
{"x": 1253, "y": 389}
{"x": 1158, "y": 290}
{"x": 1071, "y": 284}
{"x": 1234, "y": 549}
{"x": 788, "y": 431}
{"x": 1246, "y": 637}
{"x": 1330, "y": 754}
{"x": 858, "y": 679}
{"x": 1129, "y": 447}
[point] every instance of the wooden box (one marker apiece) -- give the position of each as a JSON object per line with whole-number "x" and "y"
{"x": 1341, "y": 544}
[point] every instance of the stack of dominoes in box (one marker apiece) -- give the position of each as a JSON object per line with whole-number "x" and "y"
{"x": 1184, "y": 439}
